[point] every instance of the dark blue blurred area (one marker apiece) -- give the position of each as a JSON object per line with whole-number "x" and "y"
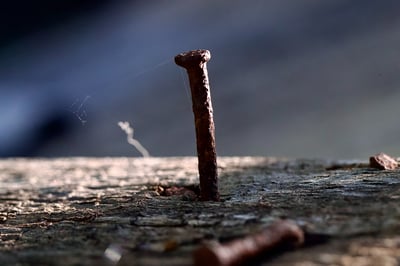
{"x": 19, "y": 18}
{"x": 288, "y": 78}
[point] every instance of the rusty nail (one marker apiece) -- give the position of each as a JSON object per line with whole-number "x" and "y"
{"x": 239, "y": 251}
{"x": 195, "y": 64}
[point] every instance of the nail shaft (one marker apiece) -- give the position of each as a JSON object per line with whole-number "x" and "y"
{"x": 239, "y": 251}
{"x": 195, "y": 64}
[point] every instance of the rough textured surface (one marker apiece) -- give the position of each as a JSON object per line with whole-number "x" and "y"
{"x": 383, "y": 162}
{"x": 195, "y": 63}
{"x": 109, "y": 211}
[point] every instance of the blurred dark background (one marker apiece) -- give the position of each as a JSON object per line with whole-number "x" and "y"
{"x": 300, "y": 78}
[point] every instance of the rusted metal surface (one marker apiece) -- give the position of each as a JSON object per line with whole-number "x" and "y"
{"x": 111, "y": 211}
{"x": 383, "y": 161}
{"x": 280, "y": 234}
{"x": 195, "y": 63}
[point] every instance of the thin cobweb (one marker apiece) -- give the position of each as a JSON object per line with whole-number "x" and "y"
{"x": 186, "y": 86}
{"x": 78, "y": 109}
{"x": 78, "y": 106}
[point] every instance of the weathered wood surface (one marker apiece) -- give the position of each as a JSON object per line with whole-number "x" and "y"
{"x": 81, "y": 211}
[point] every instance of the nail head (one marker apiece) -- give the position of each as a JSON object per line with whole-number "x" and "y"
{"x": 193, "y": 58}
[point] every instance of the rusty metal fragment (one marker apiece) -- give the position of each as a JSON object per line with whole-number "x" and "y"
{"x": 383, "y": 161}
{"x": 237, "y": 252}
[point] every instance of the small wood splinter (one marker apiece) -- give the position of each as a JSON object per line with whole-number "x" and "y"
{"x": 237, "y": 252}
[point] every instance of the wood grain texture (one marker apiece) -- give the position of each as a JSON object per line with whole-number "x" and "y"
{"x": 71, "y": 211}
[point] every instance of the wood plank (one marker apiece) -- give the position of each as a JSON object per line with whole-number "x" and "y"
{"x": 110, "y": 211}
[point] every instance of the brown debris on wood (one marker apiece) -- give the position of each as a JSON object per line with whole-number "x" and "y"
{"x": 383, "y": 161}
{"x": 190, "y": 193}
